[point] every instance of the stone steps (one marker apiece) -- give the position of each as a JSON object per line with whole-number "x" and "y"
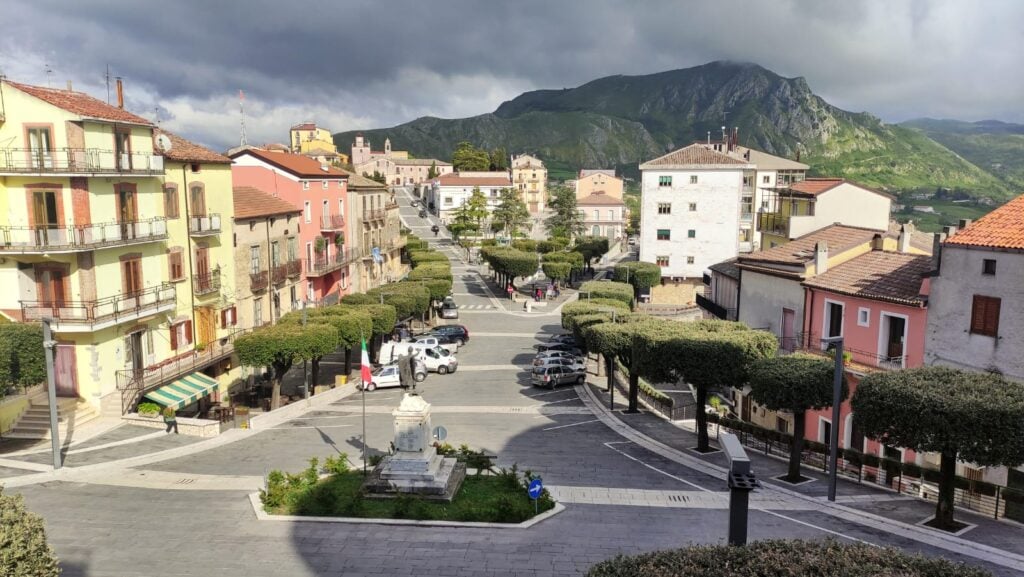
{"x": 34, "y": 423}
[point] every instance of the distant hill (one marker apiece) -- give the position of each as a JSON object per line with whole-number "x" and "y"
{"x": 994, "y": 146}
{"x": 620, "y": 121}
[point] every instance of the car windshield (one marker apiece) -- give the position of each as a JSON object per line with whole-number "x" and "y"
{"x": 540, "y": 370}
{"x": 440, "y": 351}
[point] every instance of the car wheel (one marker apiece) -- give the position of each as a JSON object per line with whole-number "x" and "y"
{"x": 581, "y": 380}
{"x": 419, "y": 377}
{"x": 460, "y": 342}
{"x": 442, "y": 370}
{"x": 371, "y": 387}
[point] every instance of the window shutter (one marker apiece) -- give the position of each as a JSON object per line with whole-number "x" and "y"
{"x": 992, "y": 316}
{"x": 188, "y": 332}
{"x": 174, "y": 337}
{"x": 234, "y": 316}
{"x": 978, "y": 315}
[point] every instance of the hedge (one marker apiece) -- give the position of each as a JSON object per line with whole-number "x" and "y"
{"x": 641, "y": 275}
{"x": 525, "y": 245}
{"x": 782, "y": 558}
{"x": 22, "y": 356}
{"x": 510, "y": 261}
{"x": 606, "y": 289}
{"x": 24, "y": 551}
{"x": 419, "y": 257}
{"x": 552, "y": 245}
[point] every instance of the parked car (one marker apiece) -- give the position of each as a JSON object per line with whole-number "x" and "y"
{"x": 431, "y": 341}
{"x": 458, "y": 333}
{"x": 571, "y": 362}
{"x": 423, "y": 213}
{"x": 438, "y": 361}
{"x": 556, "y": 355}
{"x": 556, "y": 375}
{"x": 388, "y": 376}
{"x": 414, "y": 203}
{"x": 566, "y": 347}
{"x": 449, "y": 312}
{"x": 564, "y": 338}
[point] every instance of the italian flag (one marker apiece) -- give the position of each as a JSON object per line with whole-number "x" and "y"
{"x": 364, "y": 371}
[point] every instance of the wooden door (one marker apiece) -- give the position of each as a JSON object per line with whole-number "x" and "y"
{"x": 64, "y": 370}
{"x": 40, "y": 148}
{"x": 198, "y": 205}
{"x": 50, "y": 287}
{"x": 207, "y": 325}
{"x": 203, "y": 279}
{"x": 788, "y": 326}
{"x": 134, "y": 354}
{"x": 745, "y": 408}
{"x": 44, "y": 213}
{"x": 122, "y": 150}
{"x": 131, "y": 276}
{"x": 127, "y": 212}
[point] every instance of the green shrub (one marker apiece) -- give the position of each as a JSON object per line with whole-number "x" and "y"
{"x": 149, "y": 408}
{"x": 607, "y": 289}
{"x": 778, "y": 558}
{"x": 525, "y": 244}
{"x": 24, "y": 551}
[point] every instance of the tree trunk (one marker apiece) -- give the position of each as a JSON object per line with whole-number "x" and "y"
{"x": 634, "y": 392}
{"x": 702, "y": 419}
{"x": 947, "y": 488}
{"x": 600, "y": 362}
{"x": 314, "y": 375}
{"x": 609, "y": 365}
{"x": 797, "y": 448}
{"x": 348, "y": 361}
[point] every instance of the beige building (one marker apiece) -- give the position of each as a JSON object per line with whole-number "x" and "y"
{"x": 395, "y": 165}
{"x": 377, "y": 240}
{"x": 603, "y": 215}
{"x": 598, "y": 180}
{"x": 530, "y": 178}
{"x": 267, "y": 265}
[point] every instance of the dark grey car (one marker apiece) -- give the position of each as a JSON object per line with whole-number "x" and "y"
{"x": 552, "y": 376}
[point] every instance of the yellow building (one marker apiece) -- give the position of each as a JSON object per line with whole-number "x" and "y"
{"x": 530, "y": 178}
{"x": 598, "y": 180}
{"x": 308, "y": 136}
{"x": 85, "y": 243}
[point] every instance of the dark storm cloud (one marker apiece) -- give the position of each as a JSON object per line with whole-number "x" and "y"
{"x": 368, "y": 63}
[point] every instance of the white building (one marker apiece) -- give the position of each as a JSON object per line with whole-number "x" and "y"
{"x": 451, "y": 191}
{"x": 690, "y": 216}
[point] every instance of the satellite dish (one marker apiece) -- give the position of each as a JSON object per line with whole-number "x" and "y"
{"x": 164, "y": 141}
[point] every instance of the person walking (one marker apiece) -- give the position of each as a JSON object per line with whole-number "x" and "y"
{"x": 171, "y": 420}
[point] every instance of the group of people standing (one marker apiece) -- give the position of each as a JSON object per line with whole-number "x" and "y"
{"x": 551, "y": 292}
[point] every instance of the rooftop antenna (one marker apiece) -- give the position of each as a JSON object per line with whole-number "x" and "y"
{"x": 709, "y": 138}
{"x": 49, "y": 73}
{"x": 107, "y": 78}
{"x": 241, "y": 109}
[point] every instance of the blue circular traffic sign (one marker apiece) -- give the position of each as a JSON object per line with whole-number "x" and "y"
{"x": 535, "y": 488}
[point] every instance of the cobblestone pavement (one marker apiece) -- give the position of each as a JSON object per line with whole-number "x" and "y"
{"x": 189, "y": 515}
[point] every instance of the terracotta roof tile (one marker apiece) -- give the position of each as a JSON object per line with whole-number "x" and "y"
{"x": 456, "y": 180}
{"x": 694, "y": 155}
{"x": 419, "y": 162}
{"x": 878, "y": 275}
{"x": 815, "y": 186}
{"x": 296, "y": 164}
{"x": 801, "y": 250}
{"x": 305, "y": 126}
{"x": 1001, "y": 228}
{"x": 80, "y": 103}
{"x": 599, "y": 198}
{"x": 252, "y": 202}
{"x": 186, "y": 151}
{"x": 356, "y": 182}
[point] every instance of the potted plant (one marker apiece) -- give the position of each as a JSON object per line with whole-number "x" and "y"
{"x": 149, "y": 410}
{"x": 847, "y": 358}
{"x": 320, "y": 244}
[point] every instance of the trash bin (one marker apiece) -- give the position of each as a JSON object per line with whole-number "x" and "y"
{"x": 241, "y": 417}
{"x": 341, "y": 380}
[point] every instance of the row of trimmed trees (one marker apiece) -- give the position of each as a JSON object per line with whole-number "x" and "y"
{"x": 973, "y": 417}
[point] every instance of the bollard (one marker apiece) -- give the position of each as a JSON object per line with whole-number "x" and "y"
{"x": 741, "y": 482}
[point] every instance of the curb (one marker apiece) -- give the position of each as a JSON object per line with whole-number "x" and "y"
{"x": 917, "y": 533}
{"x": 261, "y": 515}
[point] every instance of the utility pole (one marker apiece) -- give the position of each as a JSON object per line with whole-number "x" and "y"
{"x": 51, "y": 392}
{"x": 305, "y": 375}
{"x": 837, "y": 391}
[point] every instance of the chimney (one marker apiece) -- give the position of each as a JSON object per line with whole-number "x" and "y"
{"x": 877, "y": 242}
{"x": 903, "y": 241}
{"x": 69, "y": 86}
{"x": 937, "y": 240}
{"x": 948, "y": 231}
{"x": 820, "y": 257}
{"x": 964, "y": 223}
{"x": 120, "y": 93}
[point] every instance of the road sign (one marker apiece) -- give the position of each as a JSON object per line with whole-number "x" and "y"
{"x": 535, "y": 488}
{"x": 509, "y": 289}
{"x": 440, "y": 433}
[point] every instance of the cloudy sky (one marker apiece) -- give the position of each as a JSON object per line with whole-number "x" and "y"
{"x": 351, "y": 64}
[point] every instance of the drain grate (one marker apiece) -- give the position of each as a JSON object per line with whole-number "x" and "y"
{"x": 184, "y": 481}
{"x": 678, "y": 498}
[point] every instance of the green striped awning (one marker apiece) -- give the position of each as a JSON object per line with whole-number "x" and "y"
{"x": 183, "y": 392}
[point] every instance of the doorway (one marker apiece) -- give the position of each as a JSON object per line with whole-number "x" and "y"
{"x": 64, "y": 370}
{"x": 894, "y": 340}
{"x": 833, "y": 319}
{"x": 134, "y": 354}
{"x": 122, "y": 150}
{"x": 44, "y": 213}
{"x": 207, "y": 325}
{"x": 203, "y": 280}
{"x": 50, "y": 287}
{"x": 127, "y": 211}
{"x": 788, "y": 326}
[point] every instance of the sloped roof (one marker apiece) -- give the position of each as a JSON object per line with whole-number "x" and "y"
{"x": 456, "y": 180}
{"x": 358, "y": 181}
{"x": 816, "y": 186}
{"x": 599, "y": 198}
{"x": 252, "y": 202}
{"x": 297, "y": 164}
{"x": 585, "y": 172}
{"x": 727, "y": 267}
{"x": 923, "y": 241}
{"x": 187, "y": 151}
{"x": 419, "y": 162}
{"x": 1001, "y": 228}
{"x": 801, "y": 250}
{"x": 694, "y": 156}
{"x": 765, "y": 161}
{"x": 80, "y": 103}
{"x": 305, "y": 126}
{"x": 878, "y": 275}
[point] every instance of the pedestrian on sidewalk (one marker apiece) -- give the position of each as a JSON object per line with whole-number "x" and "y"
{"x": 171, "y": 420}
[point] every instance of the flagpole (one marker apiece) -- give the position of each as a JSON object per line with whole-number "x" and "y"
{"x": 363, "y": 395}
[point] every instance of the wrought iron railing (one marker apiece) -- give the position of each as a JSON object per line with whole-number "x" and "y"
{"x": 52, "y": 238}
{"x": 205, "y": 224}
{"x": 258, "y": 280}
{"x": 812, "y": 343}
{"x": 124, "y": 306}
{"x": 773, "y": 223}
{"x": 79, "y": 160}
{"x": 206, "y": 282}
{"x": 373, "y": 214}
{"x": 294, "y": 268}
{"x": 330, "y": 222}
{"x": 279, "y": 273}
{"x": 323, "y": 264}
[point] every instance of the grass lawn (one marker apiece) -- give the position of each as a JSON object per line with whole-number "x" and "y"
{"x": 497, "y": 498}
{"x": 946, "y": 213}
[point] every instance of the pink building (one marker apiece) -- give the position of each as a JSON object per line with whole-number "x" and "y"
{"x": 320, "y": 191}
{"x": 878, "y": 303}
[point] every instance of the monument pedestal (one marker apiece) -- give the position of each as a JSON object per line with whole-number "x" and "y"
{"x": 415, "y": 467}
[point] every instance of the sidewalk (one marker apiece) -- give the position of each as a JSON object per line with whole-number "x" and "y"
{"x": 862, "y": 503}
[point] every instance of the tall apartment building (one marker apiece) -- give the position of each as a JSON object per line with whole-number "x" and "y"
{"x": 377, "y": 239}
{"x": 530, "y": 178}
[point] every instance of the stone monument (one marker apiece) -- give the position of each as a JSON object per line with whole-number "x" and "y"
{"x": 415, "y": 467}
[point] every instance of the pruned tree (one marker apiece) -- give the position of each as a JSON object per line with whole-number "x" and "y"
{"x": 22, "y": 356}
{"x": 614, "y": 341}
{"x": 591, "y": 247}
{"x": 641, "y": 275}
{"x": 279, "y": 346}
{"x": 607, "y": 290}
{"x": 477, "y": 208}
{"x": 24, "y": 551}
{"x": 974, "y": 417}
{"x": 796, "y": 384}
{"x": 432, "y": 171}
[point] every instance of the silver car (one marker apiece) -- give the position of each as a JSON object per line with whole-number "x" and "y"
{"x": 554, "y": 375}
{"x": 571, "y": 362}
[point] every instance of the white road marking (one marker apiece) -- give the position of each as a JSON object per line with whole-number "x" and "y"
{"x": 571, "y": 425}
{"x": 312, "y": 427}
{"x": 552, "y": 393}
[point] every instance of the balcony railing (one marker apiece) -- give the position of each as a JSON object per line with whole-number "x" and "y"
{"x": 206, "y": 283}
{"x": 204, "y": 225}
{"x": 71, "y": 238}
{"x": 115, "y": 309}
{"x": 330, "y": 222}
{"x": 391, "y": 206}
{"x": 78, "y": 161}
{"x": 133, "y": 383}
{"x": 278, "y": 273}
{"x": 858, "y": 360}
{"x": 373, "y": 214}
{"x": 258, "y": 280}
{"x": 773, "y": 223}
{"x": 294, "y": 268}
{"x": 323, "y": 265}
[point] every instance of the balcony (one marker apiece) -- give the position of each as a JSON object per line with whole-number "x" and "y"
{"x": 773, "y": 223}
{"x": 391, "y": 206}
{"x": 258, "y": 281}
{"x": 204, "y": 225}
{"x": 323, "y": 265}
{"x": 716, "y": 309}
{"x": 370, "y": 215}
{"x": 294, "y": 268}
{"x": 87, "y": 316}
{"x": 859, "y": 361}
{"x": 206, "y": 283}
{"x": 79, "y": 161}
{"x": 78, "y": 238}
{"x": 331, "y": 222}
{"x": 278, "y": 273}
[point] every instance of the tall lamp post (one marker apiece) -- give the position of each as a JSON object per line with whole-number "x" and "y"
{"x": 51, "y": 392}
{"x": 837, "y": 391}
{"x": 305, "y": 375}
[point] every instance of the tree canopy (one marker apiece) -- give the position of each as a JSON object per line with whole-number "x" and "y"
{"x": 279, "y": 346}
{"x": 642, "y": 275}
{"x": 511, "y": 213}
{"x": 469, "y": 158}
{"x": 24, "y": 551}
{"x": 607, "y": 290}
{"x": 22, "y": 356}
{"x": 566, "y": 222}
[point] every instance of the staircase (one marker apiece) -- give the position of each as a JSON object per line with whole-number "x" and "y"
{"x": 34, "y": 423}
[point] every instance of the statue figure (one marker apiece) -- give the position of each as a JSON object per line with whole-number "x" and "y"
{"x": 407, "y": 370}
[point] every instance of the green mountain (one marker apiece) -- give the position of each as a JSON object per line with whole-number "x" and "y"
{"x": 994, "y": 146}
{"x": 619, "y": 121}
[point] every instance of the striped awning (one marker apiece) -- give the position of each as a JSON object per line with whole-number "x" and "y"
{"x": 184, "y": 391}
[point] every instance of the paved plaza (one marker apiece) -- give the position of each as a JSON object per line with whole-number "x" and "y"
{"x": 135, "y": 503}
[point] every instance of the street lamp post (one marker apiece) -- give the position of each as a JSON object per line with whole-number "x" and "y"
{"x": 305, "y": 375}
{"x": 51, "y": 392}
{"x": 837, "y": 386}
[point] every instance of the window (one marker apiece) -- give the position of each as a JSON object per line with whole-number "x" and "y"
{"x": 341, "y": 207}
{"x": 324, "y": 184}
{"x": 664, "y": 181}
{"x": 254, "y": 259}
{"x": 664, "y": 208}
{"x": 181, "y": 335}
{"x": 307, "y": 212}
{"x": 257, "y": 312}
{"x": 293, "y": 249}
{"x": 275, "y": 253}
{"x": 661, "y": 260}
{"x": 748, "y": 181}
{"x": 693, "y": 207}
{"x": 746, "y": 206}
{"x": 745, "y": 235}
{"x": 228, "y": 317}
{"x": 691, "y": 233}
{"x": 693, "y": 179}
{"x": 176, "y": 268}
{"x": 195, "y": 167}
{"x": 985, "y": 316}
{"x": 198, "y": 199}
{"x": 689, "y": 260}
{"x": 611, "y": 214}
{"x": 294, "y": 294}
{"x": 664, "y": 234}
{"x": 988, "y": 266}
{"x": 781, "y": 425}
{"x": 766, "y": 179}
{"x": 863, "y": 317}
{"x": 447, "y": 201}
{"x": 305, "y": 185}
{"x": 171, "y": 201}
{"x": 597, "y": 214}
